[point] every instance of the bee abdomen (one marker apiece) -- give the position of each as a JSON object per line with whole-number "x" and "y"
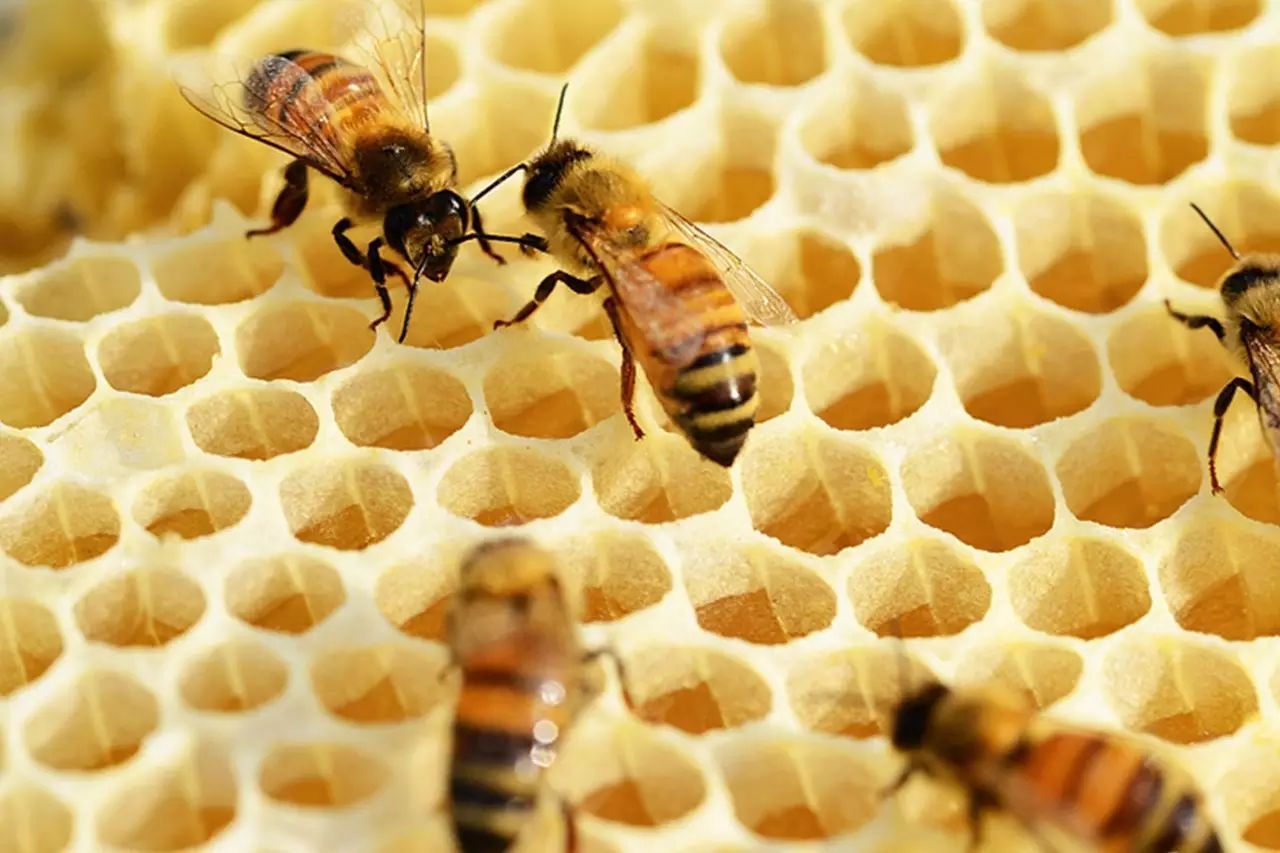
{"x": 718, "y": 401}
{"x": 491, "y": 797}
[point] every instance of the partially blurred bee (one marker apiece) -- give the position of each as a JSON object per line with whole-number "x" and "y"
{"x": 678, "y": 300}
{"x": 366, "y": 128}
{"x": 1251, "y": 332}
{"x": 1100, "y": 789}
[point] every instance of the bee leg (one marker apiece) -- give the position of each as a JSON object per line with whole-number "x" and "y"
{"x": 1220, "y": 406}
{"x": 628, "y": 370}
{"x": 289, "y": 203}
{"x": 378, "y": 267}
{"x": 979, "y": 803}
{"x": 545, "y": 287}
{"x": 1197, "y": 321}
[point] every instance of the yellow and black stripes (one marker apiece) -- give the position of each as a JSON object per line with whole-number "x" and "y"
{"x": 491, "y": 787}
{"x": 718, "y": 400}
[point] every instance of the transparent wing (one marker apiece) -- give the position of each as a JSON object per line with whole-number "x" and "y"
{"x": 1263, "y": 348}
{"x": 391, "y": 42}
{"x": 761, "y": 302}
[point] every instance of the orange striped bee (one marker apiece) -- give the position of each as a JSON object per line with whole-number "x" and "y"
{"x": 678, "y": 300}
{"x": 365, "y": 128}
{"x": 1098, "y": 788}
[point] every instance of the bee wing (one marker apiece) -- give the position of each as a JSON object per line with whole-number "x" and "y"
{"x": 391, "y": 42}
{"x": 224, "y": 94}
{"x": 761, "y": 302}
{"x": 1263, "y": 347}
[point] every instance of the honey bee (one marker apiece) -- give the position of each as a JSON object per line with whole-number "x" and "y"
{"x": 678, "y": 300}
{"x": 1251, "y": 296}
{"x": 365, "y": 127}
{"x": 1100, "y": 789}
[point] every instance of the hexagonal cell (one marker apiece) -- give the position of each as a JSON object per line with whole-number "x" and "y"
{"x": 1191, "y": 17}
{"x": 145, "y": 607}
{"x": 191, "y": 505}
{"x": 348, "y": 505}
{"x": 1084, "y": 251}
{"x": 857, "y": 125}
{"x": 555, "y": 392}
{"x": 729, "y": 192}
{"x": 503, "y": 124}
{"x": 301, "y": 341}
{"x": 984, "y": 489}
{"x": 1247, "y": 465}
{"x": 320, "y": 775}
{"x": 633, "y": 777}
{"x": 43, "y": 375}
{"x": 1248, "y": 214}
{"x": 1045, "y": 25}
{"x": 776, "y": 43}
{"x": 883, "y": 377}
{"x": 906, "y": 33}
{"x": 378, "y": 684}
{"x": 158, "y": 355}
{"x": 402, "y": 407}
{"x": 182, "y": 804}
{"x": 253, "y": 423}
{"x": 1146, "y": 124}
{"x": 643, "y": 81}
{"x": 34, "y": 821}
{"x": 63, "y": 525}
{"x": 550, "y": 36}
{"x": 1254, "y": 95}
{"x": 232, "y": 678}
{"x": 1039, "y": 673}
{"x": 1021, "y": 368}
{"x": 289, "y": 593}
{"x": 507, "y": 485}
{"x": 811, "y": 270}
{"x": 1220, "y": 579}
{"x": 996, "y": 128}
{"x": 657, "y": 480}
{"x": 1181, "y": 691}
{"x": 1254, "y": 805}
{"x": 1162, "y": 362}
{"x": 82, "y": 289}
{"x": 819, "y": 493}
{"x": 800, "y": 789}
{"x": 756, "y": 595}
{"x": 19, "y": 462}
{"x": 416, "y": 598}
{"x": 1129, "y": 472}
{"x": 217, "y": 273}
{"x": 617, "y": 574}
{"x": 776, "y": 388}
{"x": 29, "y": 643}
{"x": 1079, "y": 587}
{"x": 695, "y": 690}
{"x": 923, "y": 588}
{"x": 98, "y": 722}
{"x": 854, "y": 692}
{"x": 955, "y": 255}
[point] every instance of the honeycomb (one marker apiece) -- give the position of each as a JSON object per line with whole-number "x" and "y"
{"x": 231, "y": 516}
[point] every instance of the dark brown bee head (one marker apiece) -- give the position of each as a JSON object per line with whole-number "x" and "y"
{"x": 427, "y": 231}
{"x": 1245, "y": 276}
{"x": 912, "y": 719}
{"x": 547, "y": 170}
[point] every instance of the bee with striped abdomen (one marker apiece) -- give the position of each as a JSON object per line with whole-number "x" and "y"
{"x": 679, "y": 301}
{"x": 365, "y": 127}
{"x": 1251, "y": 332}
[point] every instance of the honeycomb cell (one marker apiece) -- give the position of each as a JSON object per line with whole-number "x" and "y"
{"x": 191, "y": 505}
{"x": 854, "y": 691}
{"x": 883, "y": 377}
{"x": 507, "y": 485}
{"x": 553, "y": 392}
{"x": 193, "y": 24}
{"x": 997, "y": 129}
{"x": 30, "y": 642}
{"x": 457, "y": 311}
{"x": 82, "y": 289}
{"x": 145, "y": 607}
{"x": 34, "y": 821}
{"x": 775, "y": 388}
{"x": 301, "y": 341}
{"x": 320, "y": 775}
{"x": 1248, "y": 214}
{"x": 1257, "y": 805}
{"x": 402, "y": 407}
{"x": 1162, "y": 362}
{"x": 810, "y": 269}
{"x": 731, "y": 192}
{"x": 1220, "y": 579}
{"x": 218, "y": 272}
{"x": 756, "y": 595}
{"x": 1039, "y": 673}
{"x": 416, "y": 598}
{"x": 617, "y": 573}
{"x": 1128, "y": 472}
{"x": 1084, "y": 251}
{"x": 645, "y": 80}
{"x": 345, "y": 504}
{"x": 657, "y": 480}
{"x": 985, "y": 490}
{"x": 1045, "y": 25}
{"x": 43, "y": 375}
{"x": 389, "y": 683}
{"x": 780, "y": 43}
{"x": 98, "y": 722}
{"x": 1254, "y": 95}
{"x": 955, "y": 256}
{"x": 1079, "y": 587}
{"x": 503, "y": 124}
{"x": 1246, "y": 464}
{"x": 695, "y": 690}
{"x": 550, "y": 36}
{"x": 232, "y": 678}
{"x": 19, "y": 462}
{"x": 1190, "y": 17}
{"x": 819, "y": 493}
{"x": 158, "y": 355}
{"x": 633, "y": 778}
{"x": 857, "y": 125}
{"x": 1160, "y": 106}
{"x": 1177, "y": 690}
{"x": 907, "y": 33}
{"x": 1021, "y": 368}
{"x": 63, "y": 525}
{"x": 799, "y": 790}
{"x": 288, "y": 593}
{"x": 922, "y": 588}
{"x": 253, "y": 423}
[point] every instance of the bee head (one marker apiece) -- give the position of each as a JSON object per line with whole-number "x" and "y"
{"x": 427, "y": 231}
{"x": 547, "y": 170}
{"x": 1245, "y": 276}
{"x": 912, "y": 718}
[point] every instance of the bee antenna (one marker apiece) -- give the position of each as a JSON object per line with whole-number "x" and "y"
{"x": 1214, "y": 228}
{"x": 555, "y": 126}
